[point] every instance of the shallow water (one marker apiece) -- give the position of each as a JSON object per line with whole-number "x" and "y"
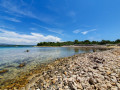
{"x": 11, "y": 57}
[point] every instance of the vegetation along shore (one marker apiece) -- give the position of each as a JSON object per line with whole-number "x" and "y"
{"x": 80, "y": 43}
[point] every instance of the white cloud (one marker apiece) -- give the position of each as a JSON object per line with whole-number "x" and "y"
{"x": 12, "y": 19}
{"x": 34, "y": 29}
{"x": 11, "y": 37}
{"x": 76, "y": 31}
{"x": 19, "y": 8}
{"x": 55, "y": 30}
{"x": 85, "y": 32}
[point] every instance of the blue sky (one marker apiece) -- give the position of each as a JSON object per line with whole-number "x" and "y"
{"x": 33, "y": 21}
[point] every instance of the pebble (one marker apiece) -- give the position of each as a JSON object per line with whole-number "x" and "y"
{"x": 118, "y": 85}
{"x": 98, "y": 70}
{"x": 114, "y": 88}
{"x": 53, "y": 81}
{"x": 71, "y": 86}
{"x": 79, "y": 86}
{"x": 65, "y": 73}
{"x": 108, "y": 85}
{"x": 91, "y": 81}
{"x": 108, "y": 72}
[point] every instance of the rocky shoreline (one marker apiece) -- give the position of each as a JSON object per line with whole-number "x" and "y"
{"x": 89, "y": 71}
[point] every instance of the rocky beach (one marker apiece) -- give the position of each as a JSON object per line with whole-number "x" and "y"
{"x": 88, "y": 71}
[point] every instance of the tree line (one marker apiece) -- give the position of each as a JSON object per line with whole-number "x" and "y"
{"x": 76, "y": 42}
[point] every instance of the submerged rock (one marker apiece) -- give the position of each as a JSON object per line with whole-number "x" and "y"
{"x": 91, "y": 71}
{"x": 94, "y": 50}
{"x": 3, "y": 71}
{"x": 27, "y": 50}
{"x": 21, "y": 65}
{"x": 9, "y": 66}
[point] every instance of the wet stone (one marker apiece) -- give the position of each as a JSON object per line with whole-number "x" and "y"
{"x": 27, "y": 50}
{"x": 21, "y": 65}
{"x": 3, "y": 71}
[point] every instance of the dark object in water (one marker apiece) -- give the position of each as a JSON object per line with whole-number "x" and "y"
{"x": 2, "y": 64}
{"x": 21, "y": 65}
{"x": 9, "y": 66}
{"x": 3, "y": 71}
{"x": 94, "y": 50}
{"x": 27, "y": 50}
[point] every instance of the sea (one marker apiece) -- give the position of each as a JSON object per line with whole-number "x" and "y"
{"x": 12, "y": 56}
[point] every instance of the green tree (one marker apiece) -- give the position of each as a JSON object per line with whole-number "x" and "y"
{"x": 76, "y": 42}
{"x": 87, "y": 42}
{"x": 117, "y": 41}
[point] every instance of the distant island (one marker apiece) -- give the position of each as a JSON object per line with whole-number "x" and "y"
{"x": 79, "y": 43}
{"x": 5, "y": 44}
{"x": 12, "y": 45}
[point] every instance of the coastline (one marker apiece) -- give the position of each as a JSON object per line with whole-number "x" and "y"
{"x": 64, "y": 69}
{"x": 98, "y": 70}
{"x": 95, "y": 47}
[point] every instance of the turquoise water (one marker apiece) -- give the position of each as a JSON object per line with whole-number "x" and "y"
{"x": 11, "y": 57}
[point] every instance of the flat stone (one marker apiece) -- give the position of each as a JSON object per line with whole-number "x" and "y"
{"x": 108, "y": 85}
{"x": 104, "y": 86}
{"x": 114, "y": 88}
{"x": 118, "y": 85}
{"x": 108, "y": 72}
{"x": 113, "y": 84}
{"x": 79, "y": 86}
{"x": 114, "y": 79}
{"x": 70, "y": 79}
{"x": 60, "y": 89}
{"x": 113, "y": 74}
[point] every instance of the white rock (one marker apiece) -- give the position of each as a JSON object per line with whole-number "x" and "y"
{"x": 118, "y": 85}
{"x": 114, "y": 88}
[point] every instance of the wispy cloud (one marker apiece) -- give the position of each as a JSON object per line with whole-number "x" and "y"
{"x": 6, "y": 27}
{"x": 76, "y": 31}
{"x": 34, "y": 29}
{"x": 72, "y": 14}
{"x": 23, "y": 9}
{"x": 32, "y": 38}
{"x": 86, "y": 32}
{"x": 54, "y": 30}
{"x": 12, "y": 19}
